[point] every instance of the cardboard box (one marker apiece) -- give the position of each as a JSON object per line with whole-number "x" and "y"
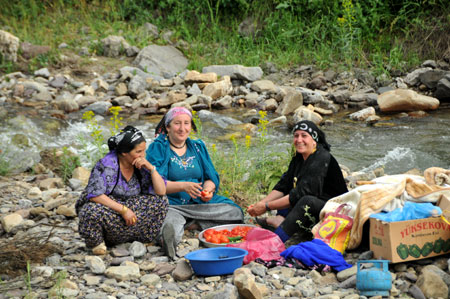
{"x": 444, "y": 203}
{"x": 409, "y": 240}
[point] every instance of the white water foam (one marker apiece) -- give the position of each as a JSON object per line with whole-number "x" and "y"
{"x": 394, "y": 157}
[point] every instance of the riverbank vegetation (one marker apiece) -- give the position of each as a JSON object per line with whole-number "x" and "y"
{"x": 384, "y": 36}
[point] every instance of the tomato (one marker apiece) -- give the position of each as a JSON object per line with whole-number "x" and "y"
{"x": 205, "y": 193}
{"x": 208, "y": 232}
{"x": 224, "y": 239}
{"x": 215, "y": 239}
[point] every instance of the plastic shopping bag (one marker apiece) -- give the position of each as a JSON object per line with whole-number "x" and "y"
{"x": 261, "y": 243}
{"x": 335, "y": 229}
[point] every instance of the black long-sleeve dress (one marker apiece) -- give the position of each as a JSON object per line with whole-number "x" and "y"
{"x": 310, "y": 183}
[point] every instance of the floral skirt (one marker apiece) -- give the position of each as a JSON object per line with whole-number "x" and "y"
{"x": 98, "y": 223}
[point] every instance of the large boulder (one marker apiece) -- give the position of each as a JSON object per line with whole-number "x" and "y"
{"x": 9, "y": 44}
{"x": 405, "y": 100}
{"x": 162, "y": 61}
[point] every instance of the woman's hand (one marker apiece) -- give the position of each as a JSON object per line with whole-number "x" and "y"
{"x": 142, "y": 162}
{"x": 129, "y": 217}
{"x": 257, "y": 209}
{"x": 193, "y": 189}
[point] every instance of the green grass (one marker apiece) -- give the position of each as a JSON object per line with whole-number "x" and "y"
{"x": 380, "y": 35}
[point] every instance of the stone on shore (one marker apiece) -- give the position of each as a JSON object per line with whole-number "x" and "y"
{"x": 405, "y": 100}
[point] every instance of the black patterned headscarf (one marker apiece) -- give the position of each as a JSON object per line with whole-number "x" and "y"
{"x": 317, "y": 134}
{"x": 126, "y": 140}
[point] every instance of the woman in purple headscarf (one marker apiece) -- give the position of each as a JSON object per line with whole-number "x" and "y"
{"x": 125, "y": 198}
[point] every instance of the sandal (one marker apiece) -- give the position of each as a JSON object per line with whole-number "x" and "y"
{"x": 263, "y": 223}
{"x": 100, "y": 249}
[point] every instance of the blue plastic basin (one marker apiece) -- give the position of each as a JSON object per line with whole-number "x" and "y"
{"x": 216, "y": 261}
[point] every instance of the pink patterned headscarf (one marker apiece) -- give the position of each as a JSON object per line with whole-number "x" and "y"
{"x": 161, "y": 128}
{"x": 175, "y": 111}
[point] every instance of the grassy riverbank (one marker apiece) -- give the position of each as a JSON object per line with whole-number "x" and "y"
{"x": 384, "y": 36}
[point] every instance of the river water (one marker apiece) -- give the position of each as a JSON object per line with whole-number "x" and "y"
{"x": 397, "y": 144}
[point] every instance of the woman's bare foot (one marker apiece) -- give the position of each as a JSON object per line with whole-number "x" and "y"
{"x": 275, "y": 221}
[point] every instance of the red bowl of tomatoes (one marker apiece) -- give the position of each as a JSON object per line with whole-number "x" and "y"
{"x": 220, "y": 236}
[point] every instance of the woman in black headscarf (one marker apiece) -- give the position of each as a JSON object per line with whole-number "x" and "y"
{"x": 125, "y": 198}
{"x": 313, "y": 177}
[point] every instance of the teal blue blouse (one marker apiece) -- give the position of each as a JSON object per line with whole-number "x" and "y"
{"x": 194, "y": 166}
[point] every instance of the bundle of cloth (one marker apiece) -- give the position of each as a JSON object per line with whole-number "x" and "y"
{"x": 387, "y": 193}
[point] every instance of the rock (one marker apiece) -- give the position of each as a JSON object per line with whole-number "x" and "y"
{"x": 51, "y": 183}
{"x": 137, "y": 85}
{"x": 432, "y": 285}
{"x": 68, "y": 211}
{"x": 99, "y": 108}
{"x": 10, "y": 221}
{"x": 263, "y": 86}
{"x": 340, "y": 97}
{"x": 183, "y": 271}
{"x": 347, "y": 273}
{"x": 34, "y": 193}
{"x": 363, "y": 114}
{"x": 113, "y": 45}
{"x": 42, "y": 73}
{"x": 151, "y": 29}
{"x": 406, "y": 100}
{"x": 121, "y": 89}
{"x": 158, "y": 60}
{"x": 137, "y": 249}
{"x": 317, "y": 83}
{"x": 68, "y": 105}
{"x": 223, "y": 103}
{"x": 292, "y": 100}
{"x": 218, "y": 89}
{"x": 150, "y": 280}
{"x": 166, "y": 82}
{"x": 95, "y": 264}
{"x": 303, "y": 113}
{"x": 128, "y": 271}
{"x": 30, "y": 51}
{"x": 269, "y": 105}
{"x": 412, "y": 79}
{"x": 244, "y": 280}
{"x": 82, "y": 174}
{"x": 172, "y": 98}
{"x": 443, "y": 89}
{"x": 194, "y": 76}
{"x": 416, "y": 292}
{"x": 194, "y": 90}
{"x": 122, "y": 101}
{"x": 431, "y": 77}
{"x": 444, "y": 276}
{"x": 235, "y": 71}
{"x": 310, "y": 96}
{"x": 9, "y": 45}
{"x": 430, "y": 63}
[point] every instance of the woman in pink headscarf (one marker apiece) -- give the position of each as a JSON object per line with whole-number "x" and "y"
{"x": 192, "y": 180}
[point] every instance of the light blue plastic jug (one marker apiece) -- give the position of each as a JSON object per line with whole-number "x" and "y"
{"x": 375, "y": 281}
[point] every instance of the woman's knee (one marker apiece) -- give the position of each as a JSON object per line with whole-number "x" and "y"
{"x": 310, "y": 203}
